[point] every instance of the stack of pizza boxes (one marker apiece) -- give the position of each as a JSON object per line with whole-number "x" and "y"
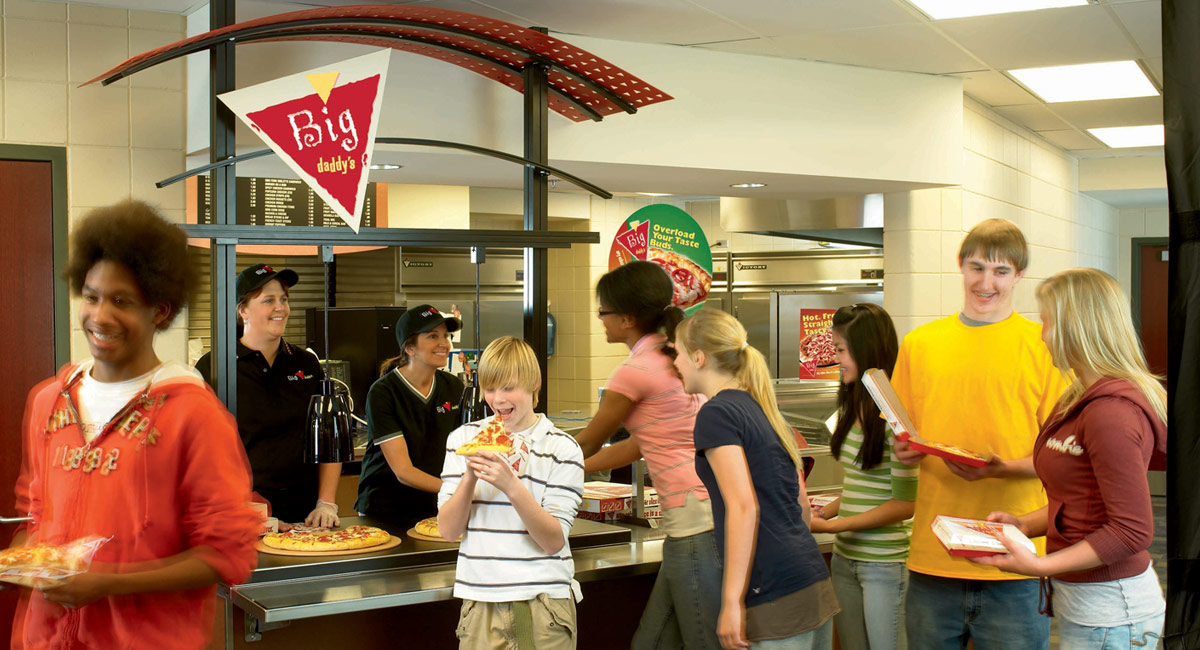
{"x": 604, "y": 501}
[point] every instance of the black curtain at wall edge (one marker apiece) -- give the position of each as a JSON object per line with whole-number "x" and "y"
{"x": 1181, "y": 118}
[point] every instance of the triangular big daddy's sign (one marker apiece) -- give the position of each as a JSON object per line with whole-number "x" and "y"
{"x": 322, "y": 124}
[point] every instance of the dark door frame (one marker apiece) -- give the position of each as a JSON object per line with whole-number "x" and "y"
{"x": 1135, "y": 275}
{"x": 57, "y": 157}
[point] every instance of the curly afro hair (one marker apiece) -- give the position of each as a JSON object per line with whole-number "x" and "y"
{"x": 136, "y": 235}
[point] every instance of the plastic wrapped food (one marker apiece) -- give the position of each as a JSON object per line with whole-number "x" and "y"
{"x": 40, "y": 564}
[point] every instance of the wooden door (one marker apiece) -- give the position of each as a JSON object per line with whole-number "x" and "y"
{"x": 27, "y": 327}
{"x": 1152, "y": 305}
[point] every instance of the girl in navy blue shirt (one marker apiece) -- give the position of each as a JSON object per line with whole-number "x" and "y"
{"x": 775, "y": 592}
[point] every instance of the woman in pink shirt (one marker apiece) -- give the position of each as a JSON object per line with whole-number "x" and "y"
{"x": 646, "y": 395}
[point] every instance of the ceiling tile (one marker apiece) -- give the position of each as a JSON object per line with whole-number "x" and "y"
{"x": 1071, "y": 139}
{"x": 646, "y": 21}
{"x": 1042, "y": 38}
{"x": 780, "y": 17}
{"x": 1035, "y": 117}
{"x": 1133, "y": 111}
{"x": 994, "y": 89}
{"x": 1144, "y": 22}
{"x": 911, "y": 48}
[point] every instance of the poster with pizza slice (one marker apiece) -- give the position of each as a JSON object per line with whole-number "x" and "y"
{"x": 817, "y": 357}
{"x": 671, "y": 238}
{"x": 322, "y": 123}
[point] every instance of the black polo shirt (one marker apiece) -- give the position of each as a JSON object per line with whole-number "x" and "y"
{"x": 272, "y": 408}
{"x": 395, "y": 409}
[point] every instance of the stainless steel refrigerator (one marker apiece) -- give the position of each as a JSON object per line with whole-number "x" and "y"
{"x": 769, "y": 292}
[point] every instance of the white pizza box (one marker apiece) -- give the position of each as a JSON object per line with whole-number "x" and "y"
{"x": 613, "y": 499}
{"x": 976, "y": 537}
{"x": 888, "y": 402}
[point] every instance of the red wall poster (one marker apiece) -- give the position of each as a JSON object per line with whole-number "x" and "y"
{"x": 817, "y": 357}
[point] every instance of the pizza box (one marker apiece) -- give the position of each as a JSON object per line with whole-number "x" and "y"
{"x": 897, "y": 418}
{"x": 819, "y": 501}
{"x": 604, "y": 501}
{"x": 976, "y": 537}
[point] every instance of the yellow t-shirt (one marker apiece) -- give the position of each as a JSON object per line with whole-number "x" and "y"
{"x": 987, "y": 389}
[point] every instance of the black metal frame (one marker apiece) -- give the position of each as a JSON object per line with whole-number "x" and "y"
{"x": 420, "y": 142}
{"x": 226, "y": 235}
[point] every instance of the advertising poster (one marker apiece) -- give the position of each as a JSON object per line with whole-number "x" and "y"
{"x": 817, "y": 357}
{"x": 671, "y": 238}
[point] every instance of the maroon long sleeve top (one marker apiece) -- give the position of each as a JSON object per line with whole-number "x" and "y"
{"x": 1093, "y": 463}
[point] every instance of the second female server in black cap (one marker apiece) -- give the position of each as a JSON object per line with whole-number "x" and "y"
{"x": 410, "y": 410}
{"x": 274, "y": 383}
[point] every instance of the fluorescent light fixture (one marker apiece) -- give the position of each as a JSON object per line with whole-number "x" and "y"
{"x": 943, "y": 9}
{"x": 748, "y": 185}
{"x": 1077, "y": 83}
{"x": 1117, "y": 137}
{"x": 385, "y": 166}
{"x": 653, "y": 193}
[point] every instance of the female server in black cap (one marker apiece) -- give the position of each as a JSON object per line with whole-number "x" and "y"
{"x": 274, "y": 383}
{"x": 410, "y": 411}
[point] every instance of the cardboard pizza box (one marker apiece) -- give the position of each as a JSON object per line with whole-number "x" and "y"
{"x": 604, "y": 501}
{"x": 898, "y": 419}
{"x": 976, "y": 537}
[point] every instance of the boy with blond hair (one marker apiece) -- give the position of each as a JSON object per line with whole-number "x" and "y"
{"x": 515, "y": 573}
{"x": 981, "y": 379}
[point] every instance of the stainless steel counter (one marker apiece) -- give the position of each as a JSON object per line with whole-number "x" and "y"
{"x": 285, "y": 588}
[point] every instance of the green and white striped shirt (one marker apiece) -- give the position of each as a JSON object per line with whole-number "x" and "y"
{"x": 863, "y": 490}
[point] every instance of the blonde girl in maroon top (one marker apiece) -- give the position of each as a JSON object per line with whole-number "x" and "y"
{"x": 1092, "y": 456}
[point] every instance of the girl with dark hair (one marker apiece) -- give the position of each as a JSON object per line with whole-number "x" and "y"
{"x": 873, "y": 515}
{"x": 646, "y": 395}
{"x": 411, "y": 410}
{"x": 775, "y": 591}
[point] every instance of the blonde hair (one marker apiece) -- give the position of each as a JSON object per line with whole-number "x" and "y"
{"x": 509, "y": 362}
{"x": 1091, "y": 327}
{"x": 723, "y": 340}
{"x": 996, "y": 240}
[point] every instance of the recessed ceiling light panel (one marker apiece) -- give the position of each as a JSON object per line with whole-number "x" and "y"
{"x": 1151, "y": 135}
{"x": 1077, "y": 83}
{"x": 748, "y": 185}
{"x": 653, "y": 193}
{"x": 943, "y": 9}
{"x": 385, "y": 166}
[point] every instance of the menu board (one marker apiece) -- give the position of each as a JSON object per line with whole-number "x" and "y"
{"x": 671, "y": 238}
{"x": 280, "y": 202}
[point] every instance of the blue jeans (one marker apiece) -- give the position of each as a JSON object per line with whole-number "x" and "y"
{"x": 1122, "y": 637}
{"x": 872, "y": 598}
{"x": 818, "y": 639}
{"x": 686, "y": 599}
{"x": 996, "y": 614}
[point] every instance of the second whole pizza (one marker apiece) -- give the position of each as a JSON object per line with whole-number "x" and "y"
{"x": 315, "y": 540}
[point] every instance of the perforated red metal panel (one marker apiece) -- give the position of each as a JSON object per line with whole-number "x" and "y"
{"x": 493, "y": 48}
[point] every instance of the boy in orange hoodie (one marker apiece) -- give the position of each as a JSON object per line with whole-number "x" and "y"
{"x": 134, "y": 450}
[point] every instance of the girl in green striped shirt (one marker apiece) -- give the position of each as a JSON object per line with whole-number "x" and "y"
{"x": 872, "y": 517}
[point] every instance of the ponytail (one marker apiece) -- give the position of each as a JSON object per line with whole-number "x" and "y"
{"x": 400, "y": 360}
{"x": 723, "y": 340}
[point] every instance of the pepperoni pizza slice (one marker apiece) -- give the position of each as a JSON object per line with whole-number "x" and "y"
{"x": 493, "y": 437}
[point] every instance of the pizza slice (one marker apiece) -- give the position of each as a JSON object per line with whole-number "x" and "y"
{"x": 691, "y": 282}
{"x": 493, "y": 437}
{"x": 43, "y": 563}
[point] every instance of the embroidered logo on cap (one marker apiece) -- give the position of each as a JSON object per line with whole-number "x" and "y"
{"x": 264, "y": 269}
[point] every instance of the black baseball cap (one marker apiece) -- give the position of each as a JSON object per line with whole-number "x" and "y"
{"x": 258, "y": 275}
{"x": 423, "y": 318}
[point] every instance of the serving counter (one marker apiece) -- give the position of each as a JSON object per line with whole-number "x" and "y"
{"x": 616, "y": 563}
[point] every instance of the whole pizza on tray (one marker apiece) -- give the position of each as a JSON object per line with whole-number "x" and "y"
{"x": 691, "y": 282}
{"x": 303, "y": 538}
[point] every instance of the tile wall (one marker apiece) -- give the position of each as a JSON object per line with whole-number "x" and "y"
{"x": 121, "y": 138}
{"x": 1010, "y": 173}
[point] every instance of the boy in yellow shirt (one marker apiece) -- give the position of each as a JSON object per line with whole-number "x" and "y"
{"x": 981, "y": 379}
